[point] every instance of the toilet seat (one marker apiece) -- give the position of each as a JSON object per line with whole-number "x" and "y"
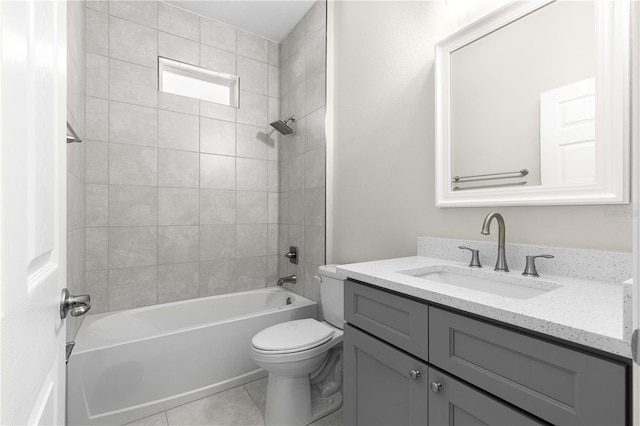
{"x": 292, "y": 337}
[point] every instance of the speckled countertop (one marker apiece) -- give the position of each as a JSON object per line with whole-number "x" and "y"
{"x": 589, "y": 313}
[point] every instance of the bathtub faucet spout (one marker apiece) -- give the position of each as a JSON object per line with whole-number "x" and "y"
{"x": 290, "y": 279}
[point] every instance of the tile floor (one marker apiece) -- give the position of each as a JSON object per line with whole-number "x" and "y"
{"x": 241, "y": 406}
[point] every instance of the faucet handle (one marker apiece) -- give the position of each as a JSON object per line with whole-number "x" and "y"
{"x": 475, "y": 257}
{"x": 530, "y": 268}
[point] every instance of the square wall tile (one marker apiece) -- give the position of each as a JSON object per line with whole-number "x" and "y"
{"x": 178, "y": 48}
{"x": 217, "y": 172}
{"x": 178, "y": 103}
{"x": 133, "y": 205}
{"x": 252, "y": 142}
{"x": 251, "y": 240}
{"x": 315, "y": 130}
{"x": 314, "y": 245}
{"x": 253, "y": 46}
{"x": 97, "y": 116}
{"x": 178, "y": 282}
{"x": 132, "y": 165}
{"x": 178, "y": 168}
{"x": 178, "y": 206}
{"x": 315, "y": 90}
{"x": 274, "y": 81}
{"x": 97, "y": 27}
{"x": 140, "y": 12}
{"x": 178, "y": 244}
{"x": 97, "y": 285}
{"x": 217, "y": 242}
{"x": 96, "y": 205}
{"x": 217, "y": 277}
{"x": 251, "y": 273}
{"x": 132, "y": 42}
{"x": 133, "y": 246}
{"x": 254, "y": 75}
{"x": 133, "y": 124}
{"x": 273, "y": 233}
{"x": 179, "y": 22}
{"x": 273, "y": 180}
{"x": 315, "y": 51}
{"x": 217, "y": 137}
{"x": 253, "y": 109}
{"x": 217, "y": 34}
{"x": 217, "y": 207}
{"x": 96, "y": 248}
{"x": 274, "y": 54}
{"x": 96, "y": 162}
{"x": 315, "y": 168}
{"x": 296, "y": 207}
{"x": 315, "y": 206}
{"x": 251, "y": 174}
{"x": 297, "y": 172}
{"x": 217, "y": 60}
{"x": 132, "y": 83}
{"x": 178, "y": 131}
{"x": 97, "y": 76}
{"x": 274, "y": 207}
{"x": 251, "y": 207}
{"x": 217, "y": 111}
{"x": 132, "y": 287}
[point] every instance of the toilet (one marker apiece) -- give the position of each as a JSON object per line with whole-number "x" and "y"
{"x": 304, "y": 359}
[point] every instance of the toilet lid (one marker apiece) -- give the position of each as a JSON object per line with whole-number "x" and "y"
{"x": 292, "y": 336}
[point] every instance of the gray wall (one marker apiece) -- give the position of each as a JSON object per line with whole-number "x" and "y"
{"x": 182, "y": 195}
{"x": 302, "y": 197}
{"x": 384, "y": 143}
{"x": 75, "y": 156}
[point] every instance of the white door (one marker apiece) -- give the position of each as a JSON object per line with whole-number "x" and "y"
{"x": 32, "y": 206}
{"x": 567, "y": 134}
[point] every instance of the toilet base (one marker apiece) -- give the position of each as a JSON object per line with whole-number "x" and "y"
{"x": 289, "y": 402}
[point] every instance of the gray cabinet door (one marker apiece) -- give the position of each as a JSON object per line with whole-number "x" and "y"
{"x": 553, "y": 382}
{"x": 395, "y": 319}
{"x": 455, "y": 403}
{"x": 378, "y": 387}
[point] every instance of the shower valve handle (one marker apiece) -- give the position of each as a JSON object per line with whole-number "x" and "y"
{"x": 292, "y": 255}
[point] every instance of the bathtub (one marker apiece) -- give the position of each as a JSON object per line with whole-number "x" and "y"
{"x": 130, "y": 364}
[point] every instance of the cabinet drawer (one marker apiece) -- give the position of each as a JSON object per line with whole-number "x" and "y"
{"x": 457, "y": 403}
{"x": 557, "y": 384}
{"x": 379, "y": 388}
{"x": 397, "y": 320}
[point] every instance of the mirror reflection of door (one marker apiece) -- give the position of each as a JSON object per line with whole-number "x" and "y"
{"x": 567, "y": 134}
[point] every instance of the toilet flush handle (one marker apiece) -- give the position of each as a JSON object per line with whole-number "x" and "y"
{"x": 318, "y": 278}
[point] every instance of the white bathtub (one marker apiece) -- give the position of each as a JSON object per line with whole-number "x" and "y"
{"x": 130, "y": 364}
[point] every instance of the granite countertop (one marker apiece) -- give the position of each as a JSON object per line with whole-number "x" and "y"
{"x": 589, "y": 313}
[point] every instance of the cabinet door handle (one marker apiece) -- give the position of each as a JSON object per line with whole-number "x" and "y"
{"x": 436, "y": 387}
{"x": 414, "y": 374}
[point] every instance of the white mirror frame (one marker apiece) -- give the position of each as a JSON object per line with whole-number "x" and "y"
{"x": 612, "y": 112}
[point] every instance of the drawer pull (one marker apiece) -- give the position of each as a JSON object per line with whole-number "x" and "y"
{"x": 436, "y": 387}
{"x": 414, "y": 374}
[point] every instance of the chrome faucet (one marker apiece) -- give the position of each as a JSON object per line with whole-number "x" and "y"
{"x": 291, "y": 279}
{"x": 501, "y": 262}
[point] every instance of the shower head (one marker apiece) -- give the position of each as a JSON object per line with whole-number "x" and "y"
{"x": 282, "y": 127}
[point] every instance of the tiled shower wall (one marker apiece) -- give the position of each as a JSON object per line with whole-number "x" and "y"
{"x": 182, "y": 196}
{"x": 75, "y": 156}
{"x": 302, "y": 154}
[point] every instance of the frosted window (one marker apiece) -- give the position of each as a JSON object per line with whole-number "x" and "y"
{"x": 199, "y": 83}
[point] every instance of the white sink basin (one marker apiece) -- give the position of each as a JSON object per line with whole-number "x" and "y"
{"x": 488, "y": 282}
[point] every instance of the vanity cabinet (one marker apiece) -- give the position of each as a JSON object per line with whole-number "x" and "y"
{"x": 409, "y": 362}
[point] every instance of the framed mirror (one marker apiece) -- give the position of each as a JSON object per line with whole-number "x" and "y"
{"x": 533, "y": 106}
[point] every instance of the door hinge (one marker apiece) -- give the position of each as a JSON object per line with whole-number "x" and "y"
{"x": 635, "y": 346}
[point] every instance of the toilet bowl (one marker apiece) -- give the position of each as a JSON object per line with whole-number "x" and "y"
{"x": 304, "y": 360}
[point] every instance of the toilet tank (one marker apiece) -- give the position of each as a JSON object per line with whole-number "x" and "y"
{"x": 332, "y": 295}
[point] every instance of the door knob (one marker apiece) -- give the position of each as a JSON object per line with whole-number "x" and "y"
{"x": 436, "y": 387}
{"x": 414, "y": 374}
{"x": 75, "y": 305}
